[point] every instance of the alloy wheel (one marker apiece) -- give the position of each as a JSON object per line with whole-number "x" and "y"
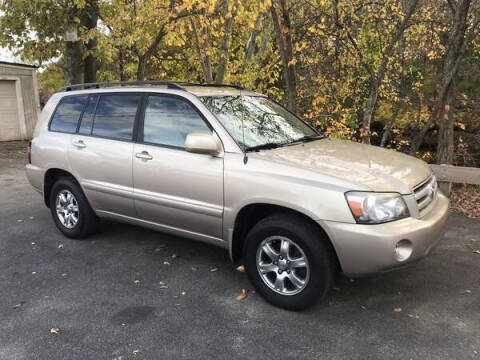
{"x": 66, "y": 206}
{"x": 282, "y": 265}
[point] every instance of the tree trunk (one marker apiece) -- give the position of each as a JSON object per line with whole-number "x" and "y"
{"x": 90, "y": 16}
{"x": 143, "y": 59}
{"x": 141, "y": 68}
{"x": 73, "y": 53}
{"x": 121, "y": 65}
{"x": 389, "y": 125}
{"x": 453, "y": 57}
{"x": 250, "y": 46}
{"x": 377, "y": 79}
{"x": 73, "y": 57}
{"x": 283, "y": 36}
{"x": 222, "y": 64}
{"x": 445, "y": 145}
{"x": 204, "y": 59}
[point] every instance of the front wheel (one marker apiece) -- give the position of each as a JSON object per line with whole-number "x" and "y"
{"x": 289, "y": 261}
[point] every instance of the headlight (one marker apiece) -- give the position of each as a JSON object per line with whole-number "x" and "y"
{"x": 376, "y": 208}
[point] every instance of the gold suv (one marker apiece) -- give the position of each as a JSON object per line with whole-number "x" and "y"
{"x": 233, "y": 168}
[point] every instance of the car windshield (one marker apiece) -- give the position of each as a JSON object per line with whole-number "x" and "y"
{"x": 256, "y": 122}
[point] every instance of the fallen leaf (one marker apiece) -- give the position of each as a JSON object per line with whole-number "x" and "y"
{"x": 242, "y": 295}
{"x": 397, "y": 309}
{"x": 213, "y": 270}
{"x": 241, "y": 268}
{"x": 54, "y": 330}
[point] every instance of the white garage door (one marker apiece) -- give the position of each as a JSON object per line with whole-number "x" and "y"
{"x": 9, "y": 124}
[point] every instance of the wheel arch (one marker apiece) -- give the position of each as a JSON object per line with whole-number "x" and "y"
{"x": 251, "y": 214}
{"x": 52, "y": 175}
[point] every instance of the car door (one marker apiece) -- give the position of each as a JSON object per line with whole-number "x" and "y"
{"x": 100, "y": 153}
{"x": 178, "y": 190}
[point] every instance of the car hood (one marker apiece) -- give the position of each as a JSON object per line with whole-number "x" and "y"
{"x": 371, "y": 167}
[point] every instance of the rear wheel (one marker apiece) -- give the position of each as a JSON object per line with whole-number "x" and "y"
{"x": 289, "y": 261}
{"x": 70, "y": 209}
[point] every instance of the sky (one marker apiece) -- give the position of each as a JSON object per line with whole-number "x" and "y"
{"x": 6, "y": 55}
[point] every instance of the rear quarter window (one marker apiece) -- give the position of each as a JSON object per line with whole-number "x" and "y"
{"x": 68, "y": 112}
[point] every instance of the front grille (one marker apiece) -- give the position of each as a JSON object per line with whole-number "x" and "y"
{"x": 425, "y": 193}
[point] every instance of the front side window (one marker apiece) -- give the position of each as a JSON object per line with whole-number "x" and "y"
{"x": 256, "y": 121}
{"x": 168, "y": 121}
{"x": 68, "y": 113}
{"x": 115, "y": 116}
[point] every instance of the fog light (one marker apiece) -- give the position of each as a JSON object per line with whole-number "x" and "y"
{"x": 403, "y": 250}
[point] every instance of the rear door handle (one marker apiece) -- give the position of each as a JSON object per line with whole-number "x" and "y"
{"x": 79, "y": 144}
{"x": 144, "y": 155}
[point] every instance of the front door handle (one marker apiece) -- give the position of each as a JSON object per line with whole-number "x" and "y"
{"x": 79, "y": 144}
{"x": 144, "y": 155}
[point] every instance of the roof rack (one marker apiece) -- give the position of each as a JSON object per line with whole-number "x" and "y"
{"x": 212, "y": 85}
{"x": 169, "y": 84}
{"x": 97, "y": 85}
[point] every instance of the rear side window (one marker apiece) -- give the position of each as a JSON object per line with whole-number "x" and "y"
{"x": 88, "y": 116}
{"x": 169, "y": 120}
{"x": 67, "y": 114}
{"x": 115, "y": 116}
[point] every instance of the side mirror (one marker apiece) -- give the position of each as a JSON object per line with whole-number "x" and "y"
{"x": 202, "y": 143}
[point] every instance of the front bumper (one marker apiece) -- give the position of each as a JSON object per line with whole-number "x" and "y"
{"x": 367, "y": 249}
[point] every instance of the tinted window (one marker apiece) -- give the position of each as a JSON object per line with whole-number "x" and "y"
{"x": 67, "y": 114}
{"x": 115, "y": 116}
{"x": 88, "y": 115}
{"x": 169, "y": 120}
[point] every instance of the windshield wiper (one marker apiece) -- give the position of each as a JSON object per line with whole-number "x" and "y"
{"x": 265, "y": 146}
{"x": 305, "y": 139}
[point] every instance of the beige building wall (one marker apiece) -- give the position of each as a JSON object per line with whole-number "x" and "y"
{"x": 19, "y": 90}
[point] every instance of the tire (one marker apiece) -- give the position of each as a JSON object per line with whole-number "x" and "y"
{"x": 304, "y": 239}
{"x": 86, "y": 222}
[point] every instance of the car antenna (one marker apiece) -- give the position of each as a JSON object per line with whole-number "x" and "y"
{"x": 245, "y": 157}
